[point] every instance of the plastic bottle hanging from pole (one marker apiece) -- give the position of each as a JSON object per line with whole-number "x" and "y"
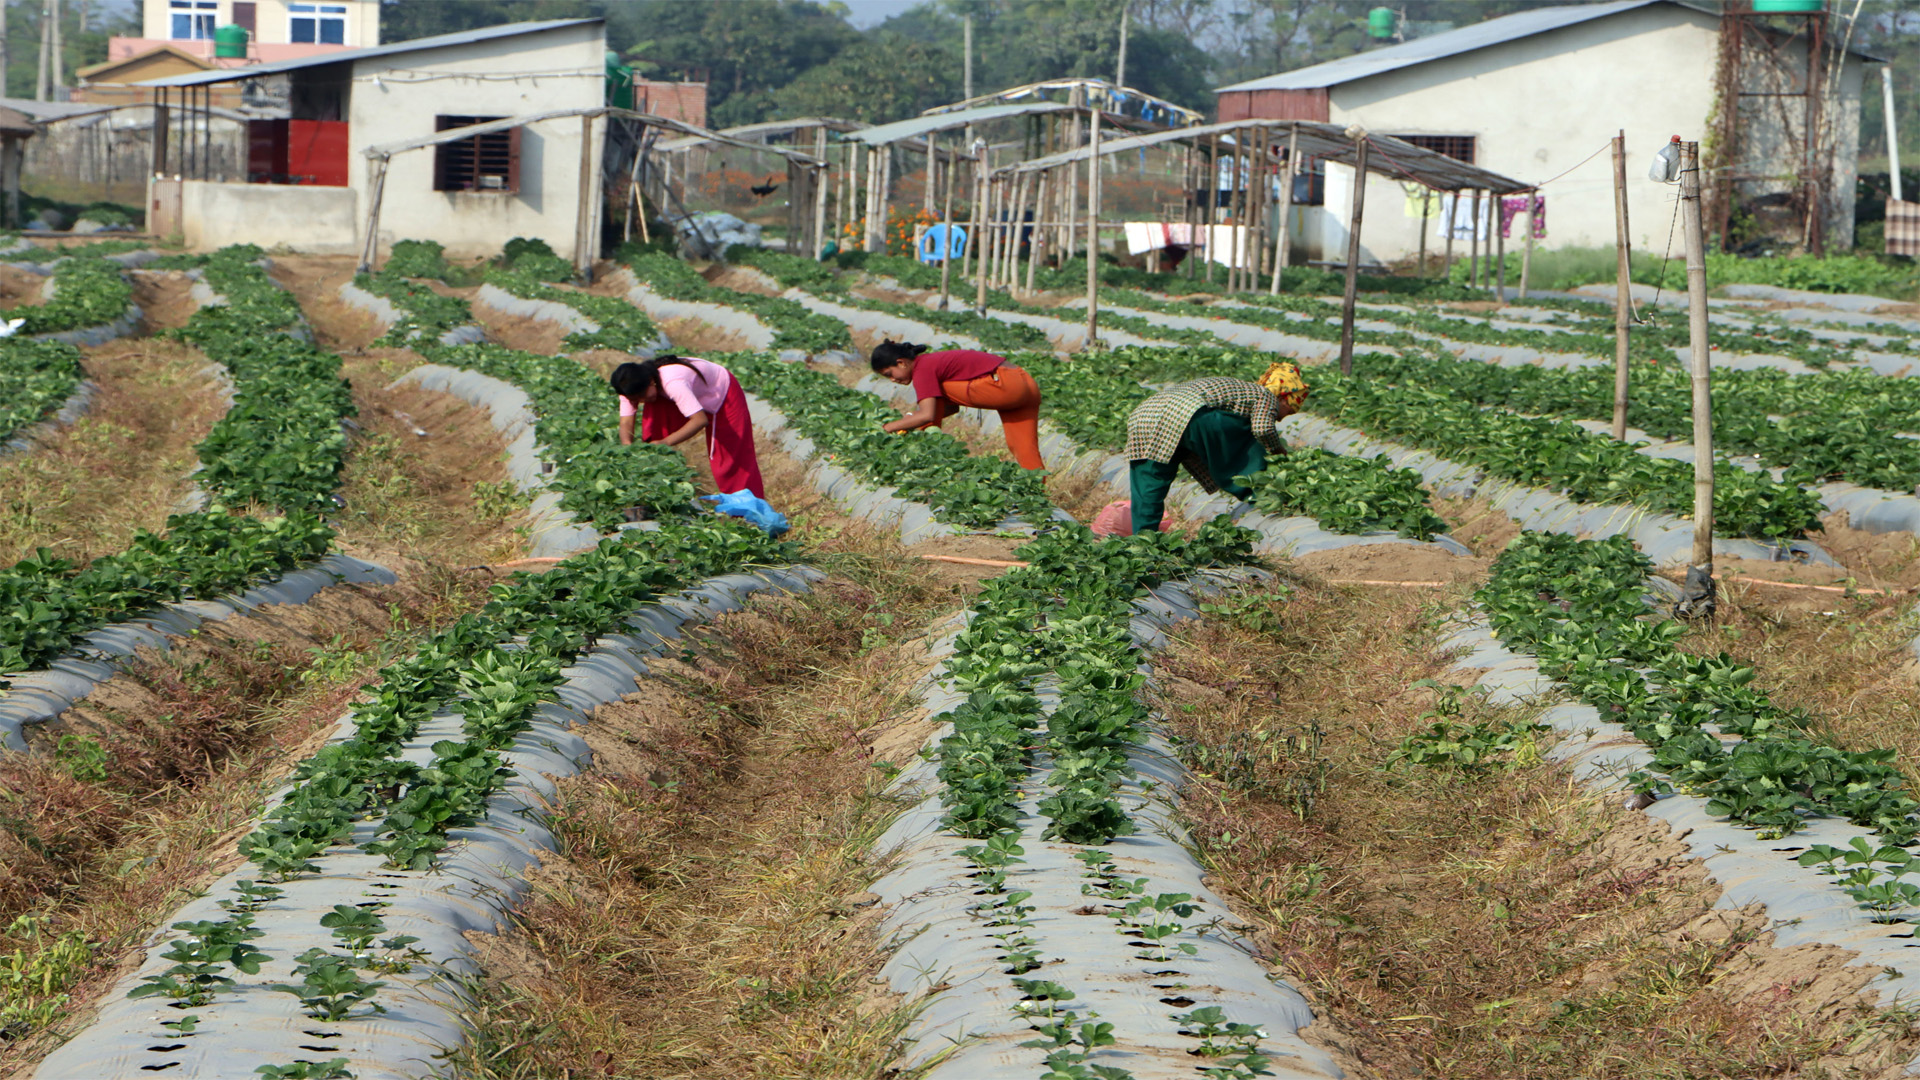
{"x": 1666, "y": 163}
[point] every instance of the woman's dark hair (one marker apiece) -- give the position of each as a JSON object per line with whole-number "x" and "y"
{"x": 888, "y": 353}
{"x": 632, "y": 380}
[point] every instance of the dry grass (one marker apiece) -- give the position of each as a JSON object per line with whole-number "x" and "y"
{"x": 1845, "y": 659}
{"x": 138, "y": 798}
{"x": 1463, "y": 926}
{"x": 705, "y": 914}
{"x": 88, "y": 487}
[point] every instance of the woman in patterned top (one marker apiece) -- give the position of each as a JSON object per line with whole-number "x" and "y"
{"x": 1218, "y": 428}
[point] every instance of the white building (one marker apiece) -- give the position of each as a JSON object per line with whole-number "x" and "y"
{"x": 276, "y": 29}
{"x": 1533, "y": 95}
{"x": 308, "y": 176}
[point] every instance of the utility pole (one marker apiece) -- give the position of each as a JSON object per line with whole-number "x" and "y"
{"x": 54, "y": 51}
{"x": 40, "y": 84}
{"x": 1093, "y": 228}
{"x": 4, "y": 50}
{"x": 1120, "y": 69}
{"x": 1697, "y": 597}
{"x": 1623, "y": 302}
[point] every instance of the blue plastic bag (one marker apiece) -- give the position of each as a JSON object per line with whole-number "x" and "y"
{"x": 745, "y": 504}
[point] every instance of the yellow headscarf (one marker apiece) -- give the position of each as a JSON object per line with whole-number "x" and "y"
{"x": 1284, "y": 381}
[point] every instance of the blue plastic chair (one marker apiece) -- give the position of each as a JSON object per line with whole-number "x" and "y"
{"x": 933, "y": 243}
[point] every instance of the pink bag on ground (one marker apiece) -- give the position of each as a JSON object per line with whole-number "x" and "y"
{"x": 1116, "y": 519}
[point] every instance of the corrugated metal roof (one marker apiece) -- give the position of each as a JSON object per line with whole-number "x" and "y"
{"x": 921, "y": 125}
{"x": 1439, "y": 46}
{"x": 1387, "y": 156}
{"x": 466, "y": 37}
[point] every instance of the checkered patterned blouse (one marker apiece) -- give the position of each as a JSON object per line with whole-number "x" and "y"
{"x": 1155, "y": 428}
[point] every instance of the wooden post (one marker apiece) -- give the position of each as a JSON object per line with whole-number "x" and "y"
{"x": 1072, "y": 178}
{"x": 1426, "y": 207}
{"x": 1526, "y": 253}
{"x": 1038, "y": 245}
{"x": 1192, "y": 219}
{"x": 371, "y": 249}
{"x": 1353, "y": 255}
{"x": 821, "y": 174}
{"x": 584, "y": 225}
{"x": 1450, "y": 212}
{"x": 983, "y": 265}
{"x": 933, "y": 150}
{"x": 880, "y": 198}
{"x": 1282, "y": 248}
{"x": 1700, "y": 574}
{"x": 1093, "y": 230}
{"x": 160, "y": 119}
{"x": 1623, "y": 299}
{"x": 1473, "y": 244}
{"x": 946, "y": 249}
{"x": 1213, "y": 198}
{"x": 975, "y": 212}
{"x": 1010, "y": 268}
{"x": 1499, "y": 275}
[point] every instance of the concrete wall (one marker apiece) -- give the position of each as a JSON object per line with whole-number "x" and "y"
{"x": 270, "y": 24}
{"x": 310, "y": 220}
{"x": 566, "y": 69}
{"x": 1540, "y": 105}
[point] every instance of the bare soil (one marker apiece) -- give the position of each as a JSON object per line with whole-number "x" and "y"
{"x": 523, "y": 332}
{"x": 21, "y": 288}
{"x": 164, "y": 299}
{"x": 1392, "y": 564}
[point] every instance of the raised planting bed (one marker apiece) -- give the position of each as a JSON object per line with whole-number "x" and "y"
{"x": 1043, "y": 893}
{"x": 280, "y": 446}
{"x": 594, "y": 322}
{"x": 1779, "y": 816}
{"x": 343, "y": 943}
{"x": 794, "y": 326}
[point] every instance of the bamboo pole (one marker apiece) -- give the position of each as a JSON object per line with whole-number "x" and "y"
{"x": 1192, "y": 210}
{"x": 1426, "y": 206}
{"x": 975, "y": 212}
{"x": 1022, "y": 188}
{"x": 1282, "y": 248}
{"x": 1499, "y": 274}
{"x": 1093, "y": 230}
{"x": 1700, "y": 573}
{"x": 1038, "y": 245}
{"x": 1263, "y": 198}
{"x": 989, "y": 233}
{"x": 946, "y": 248}
{"x": 1072, "y": 216}
{"x": 1451, "y": 212}
{"x": 1473, "y": 244}
{"x": 1213, "y": 198}
{"x": 585, "y": 220}
{"x": 1353, "y": 256}
{"x": 1623, "y": 299}
{"x": 1526, "y": 252}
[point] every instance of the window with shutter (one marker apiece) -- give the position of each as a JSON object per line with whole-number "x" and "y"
{"x": 488, "y": 162}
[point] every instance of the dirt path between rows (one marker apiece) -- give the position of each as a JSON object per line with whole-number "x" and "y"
{"x": 88, "y": 487}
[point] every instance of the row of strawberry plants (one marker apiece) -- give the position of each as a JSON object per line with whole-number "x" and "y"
{"x": 36, "y": 377}
{"x": 1578, "y": 606}
{"x": 926, "y": 466}
{"x": 794, "y": 271}
{"x": 576, "y": 419}
{"x": 425, "y": 314}
{"x": 1062, "y": 625}
{"x": 623, "y": 328}
{"x": 794, "y": 326}
{"x": 280, "y": 446}
{"x": 87, "y": 291}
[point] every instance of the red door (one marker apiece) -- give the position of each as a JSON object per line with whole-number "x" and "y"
{"x": 317, "y": 152}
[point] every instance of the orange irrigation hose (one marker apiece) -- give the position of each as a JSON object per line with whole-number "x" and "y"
{"x": 974, "y": 562}
{"x": 1820, "y": 588}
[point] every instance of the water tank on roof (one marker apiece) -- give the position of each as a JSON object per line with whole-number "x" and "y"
{"x": 1788, "y": 7}
{"x": 230, "y": 42}
{"x": 1380, "y": 22}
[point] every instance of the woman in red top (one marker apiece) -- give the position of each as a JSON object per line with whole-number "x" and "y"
{"x": 944, "y": 380}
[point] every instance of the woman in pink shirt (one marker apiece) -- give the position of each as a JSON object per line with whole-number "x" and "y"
{"x": 676, "y": 398}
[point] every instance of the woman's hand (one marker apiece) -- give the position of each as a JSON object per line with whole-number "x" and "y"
{"x": 695, "y": 424}
{"x": 927, "y": 411}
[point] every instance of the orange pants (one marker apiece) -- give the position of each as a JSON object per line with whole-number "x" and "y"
{"x": 1012, "y": 393}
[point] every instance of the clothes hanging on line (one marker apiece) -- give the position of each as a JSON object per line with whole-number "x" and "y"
{"x": 1456, "y": 213}
{"x": 1513, "y": 206}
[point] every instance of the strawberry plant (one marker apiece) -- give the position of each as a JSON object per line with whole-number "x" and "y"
{"x": 623, "y": 327}
{"x": 335, "y": 1069}
{"x": 36, "y": 377}
{"x": 425, "y": 314}
{"x": 330, "y": 989}
{"x": 87, "y": 291}
{"x": 793, "y": 325}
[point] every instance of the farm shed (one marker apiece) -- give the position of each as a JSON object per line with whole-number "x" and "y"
{"x": 1536, "y": 93}
{"x": 308, "y": 181}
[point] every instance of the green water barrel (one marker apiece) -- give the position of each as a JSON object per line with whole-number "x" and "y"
{"x": 619, "y": 82}
{"x": 230, "y": 42}
{"x": 1380, "y": 22}
{"x": 1788, "y": 7}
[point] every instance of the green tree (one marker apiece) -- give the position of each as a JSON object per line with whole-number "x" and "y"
{"x": 405, "y": 20}
{"x": 883, "y": 77}
{"x": 750, "y": 47}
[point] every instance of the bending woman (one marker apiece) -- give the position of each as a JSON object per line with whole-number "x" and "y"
{"x": 676, "y": 398}
{"x": 943, "y": 381}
